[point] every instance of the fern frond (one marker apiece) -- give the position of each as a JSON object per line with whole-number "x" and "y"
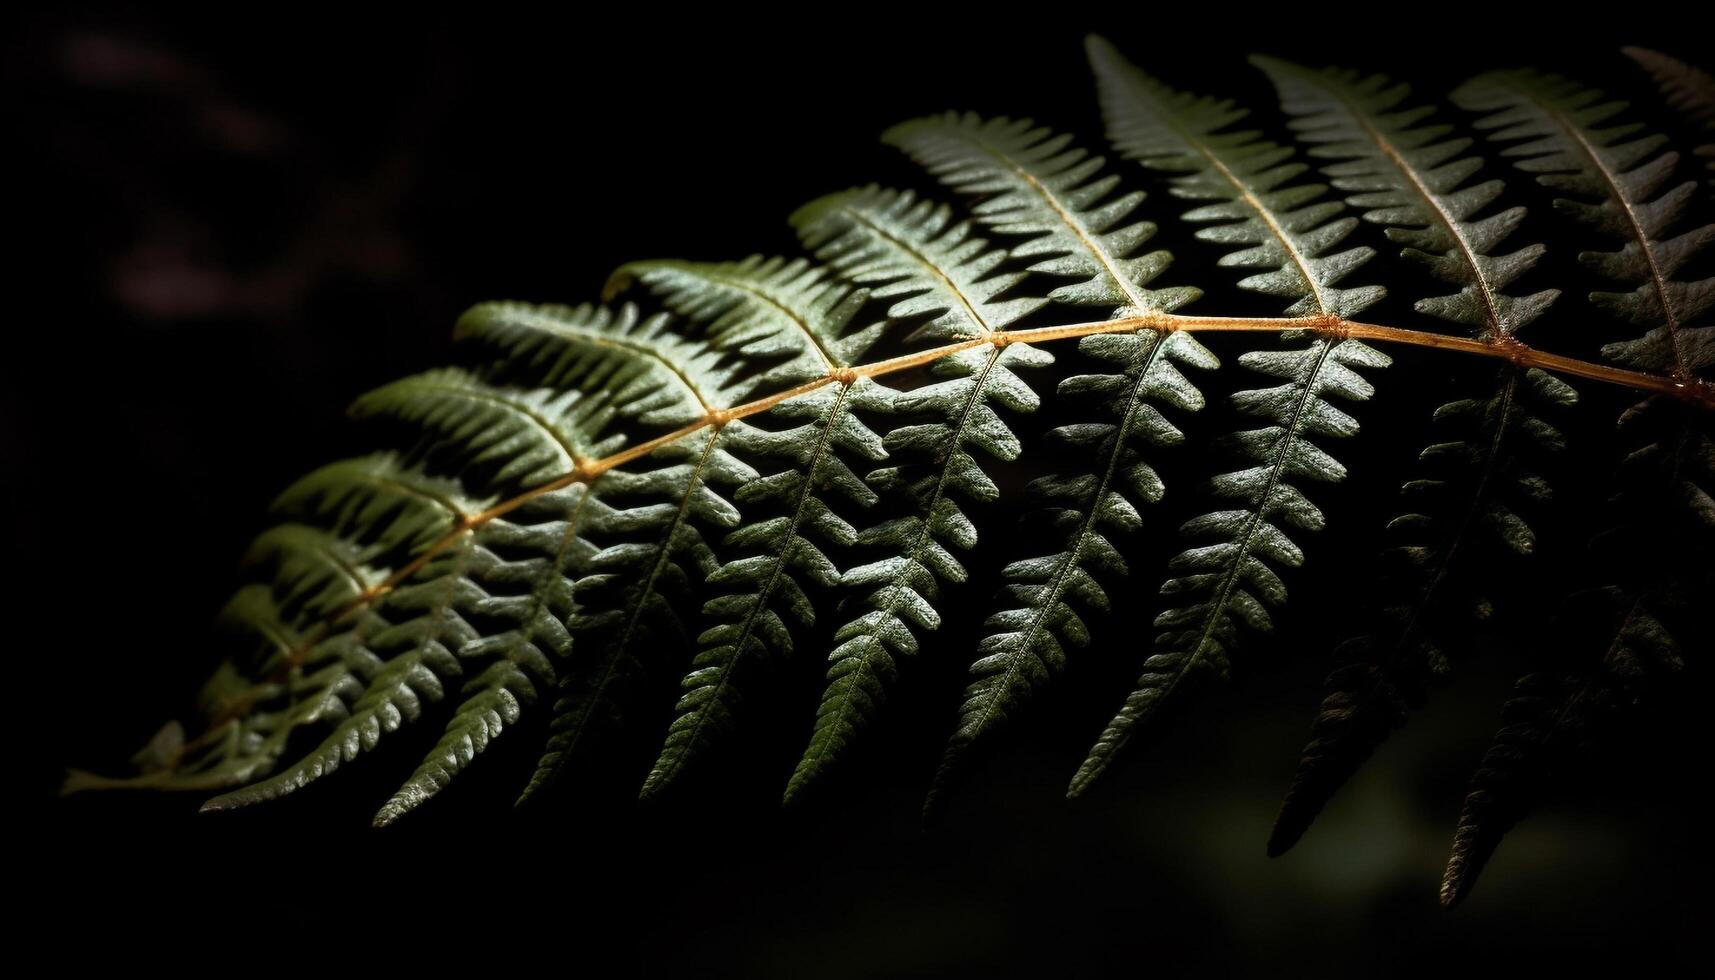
{"x": 1658, "y": 610}
{"x": 592, "y": 497}
{"x": 1688, "y": 88}
{"x": 655, "y": 550}
{"x": 1618, "y": 182}
{"x": 762, "y": 597}
{"x": 522, "y": 567}
{"x": 367, "y": 680}
{"x": 1027, "y": 639}
{"x": 341, "y": 525}
{"x": 492, "y": 701}
{"x": 572, "y": 385}
{"x": 374, "y": 674}
{"x": 519, "y": 436}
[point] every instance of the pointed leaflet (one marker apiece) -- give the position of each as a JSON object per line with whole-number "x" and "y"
{"x": 1255, "y": 203}
{"x": 1030, "y": 182}
{"x": 1463, "y": 542}
{"x": 1688, "y": 88}
{"x": 523, "y": 566}
{"x": 792, "y": 313}
{"x": 1618, "y": 182}
{"x": 649, "y": 522}
{"x": 788, "y": 313}
{"x": 1228, "y": 579}
{"x": 492, "y": 701}
{"x": 1033, "y": 183}
{"x": 1410, "y": 177}
{"x": 912, "y": 254}
{"x": 1415, "y": 181}
{"x": 1027, "y": 639}
{"x": 1656, "y": 609}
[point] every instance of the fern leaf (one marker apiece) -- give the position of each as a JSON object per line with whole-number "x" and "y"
{"x": 910, "y": 252}
{"x": 1229, "y": 580}
{"x": 640, "y": 369}
{"x": 492, "y": 701}
{"x": 592, "y": 496}
{"x": 1412, "y": 177}
{"x": 655, "y": 548}
{"x": 1408, "y": 176}
{"x": 1254, "y": 204}
{"x": 894, "y": 596}
{"x": 1689, "y": 89}
{"x": 1027, "y": 640}
{"x": 1569, "y": 137}
{"x": 521, "y": 566}
{"x": 404, "y": 663}
{"x": 914, "y": 254}
{"x": 1616, "y": 180}
{"x": 520, "y": 436}
{"x": 769, "y": 309}
{"x": 622, "y": 536}
{"x": 387, "y": 665}
{"x": 1657, "y": 555}
{"x": 375, "y": 510}
{"x": 1035, "y": 184}
{"x": 1461, "y": 543}
{"x": 366, "y": 656}
{"x": 765, "y": 309}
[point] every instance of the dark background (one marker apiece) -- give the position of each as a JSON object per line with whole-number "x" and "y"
{"x": 231, "y": 224}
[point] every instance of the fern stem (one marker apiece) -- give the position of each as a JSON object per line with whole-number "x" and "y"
{"x": 1693, "y": 391}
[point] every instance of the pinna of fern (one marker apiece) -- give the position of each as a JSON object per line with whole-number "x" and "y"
{"x": 736, "y": 463}
{"x": 1554, "y": 129}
